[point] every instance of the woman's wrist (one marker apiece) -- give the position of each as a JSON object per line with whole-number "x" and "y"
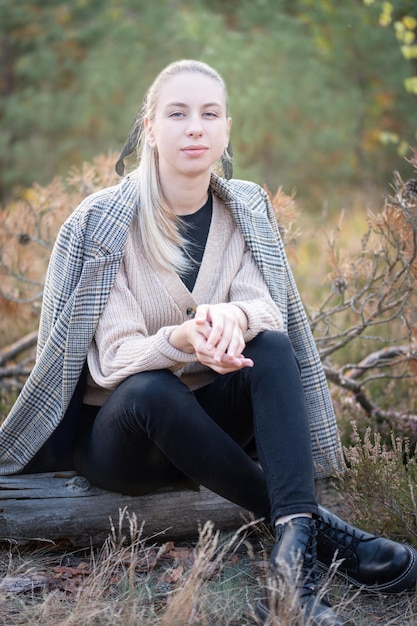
{"x": 179, "y": 338}
{"x": 242, "y": 318}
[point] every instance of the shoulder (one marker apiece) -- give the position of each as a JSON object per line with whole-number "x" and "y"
{"x": 108, "y": 201}
{"x": 249, "y": 204}
{"x": 239, "y": 191}
{"x": 245, "y": 188}
{"x": 113, "y": 205}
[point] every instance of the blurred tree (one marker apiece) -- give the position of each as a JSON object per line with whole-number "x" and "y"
{"x": 402, "y": 15}
{"x": 71, "y": 77}
{"x": 367, "y": 71}
{"x": 42, "y": 47}
{"x": 312, "y": 85}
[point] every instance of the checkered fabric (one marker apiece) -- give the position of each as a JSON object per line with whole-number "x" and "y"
{"x": 83, "y": 266}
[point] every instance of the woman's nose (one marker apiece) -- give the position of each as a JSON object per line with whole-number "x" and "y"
{"x": 194, "y": 128}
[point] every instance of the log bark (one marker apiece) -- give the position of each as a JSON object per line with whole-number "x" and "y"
{"x": 64, "y": 510}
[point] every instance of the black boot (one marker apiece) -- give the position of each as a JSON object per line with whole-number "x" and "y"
{"x": 292, "y": 577}
{"x": 370, "y": 562}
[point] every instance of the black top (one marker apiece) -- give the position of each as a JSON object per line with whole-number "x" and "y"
{"x": 195, "y": 229}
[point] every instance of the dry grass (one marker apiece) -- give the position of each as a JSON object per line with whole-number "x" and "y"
{"x": 213, "y": 582}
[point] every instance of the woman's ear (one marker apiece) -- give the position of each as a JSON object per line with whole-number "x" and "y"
{"x": 150, "y": 137}
{"x": 229, "y": 128}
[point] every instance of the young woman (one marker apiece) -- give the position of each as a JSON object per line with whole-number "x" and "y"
{"x": 173, "y": 342}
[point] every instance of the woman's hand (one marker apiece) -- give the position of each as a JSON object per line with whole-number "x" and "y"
{"x": 216, "y": 336}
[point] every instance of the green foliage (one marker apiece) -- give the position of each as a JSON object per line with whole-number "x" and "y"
{"x": 402, "y": 16}
{"x": 43, "y": 45}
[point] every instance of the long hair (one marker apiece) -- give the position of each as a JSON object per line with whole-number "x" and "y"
{"x": 157, "y": 224}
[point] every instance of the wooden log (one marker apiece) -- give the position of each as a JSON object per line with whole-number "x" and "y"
{"x": 63, "y": 509}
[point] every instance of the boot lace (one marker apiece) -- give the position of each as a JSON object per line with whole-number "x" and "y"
{"x": 343, "y": 539}
{"x": 305, "y": 566}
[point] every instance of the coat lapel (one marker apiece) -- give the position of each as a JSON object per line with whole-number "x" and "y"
{"x": 256, "y": 221}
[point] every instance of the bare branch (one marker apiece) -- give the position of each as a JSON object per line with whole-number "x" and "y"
{"x": 15, "y": 349}
{"x": 380, "y": 358}
{"x": 380, "y": 415}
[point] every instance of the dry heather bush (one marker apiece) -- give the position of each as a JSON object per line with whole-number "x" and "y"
{"x": 380, "y": 485}
{"x": 28, "y": 229}
{"x": 366, "y": 326}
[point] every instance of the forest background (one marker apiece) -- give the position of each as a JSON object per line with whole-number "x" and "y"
{"x": 317, "y": 89}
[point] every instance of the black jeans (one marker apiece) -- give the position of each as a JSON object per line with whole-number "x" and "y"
{"x": 154, "y": 431}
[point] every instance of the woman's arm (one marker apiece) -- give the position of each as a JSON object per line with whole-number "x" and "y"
{"x": 215, "y": 335}
{"x": 219, "y": 332}
{"x": 124, "y": 344}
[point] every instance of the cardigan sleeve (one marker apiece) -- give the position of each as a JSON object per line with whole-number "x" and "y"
{"x": 250, "y": 293}
{"x": 123, "y": 346}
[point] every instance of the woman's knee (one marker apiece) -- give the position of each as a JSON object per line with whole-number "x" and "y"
{"x": 145, "y": 388}
{"x": 273, "y": 354}
{"x": 139, "y": 405}
{"x": 273, "y": 342}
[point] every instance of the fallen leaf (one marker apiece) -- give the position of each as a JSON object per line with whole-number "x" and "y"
{"x": 173, "y": 575}
{"x": 66, "y": 572}
{"x": 184, "y": 554}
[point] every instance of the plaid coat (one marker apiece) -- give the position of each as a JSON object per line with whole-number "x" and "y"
{"x": 83, "y": 265}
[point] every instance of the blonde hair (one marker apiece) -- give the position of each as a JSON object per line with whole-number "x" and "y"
{"x": 157, "y": 224}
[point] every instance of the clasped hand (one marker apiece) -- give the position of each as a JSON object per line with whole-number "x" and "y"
{"x": 216, "y": 334}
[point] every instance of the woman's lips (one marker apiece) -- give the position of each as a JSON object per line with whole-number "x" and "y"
{"x": 194, "y": 151}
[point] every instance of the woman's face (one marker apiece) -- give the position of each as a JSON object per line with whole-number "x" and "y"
{"x": 191, "y": 129}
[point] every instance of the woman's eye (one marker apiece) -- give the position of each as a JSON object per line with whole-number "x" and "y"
{"x": 176, "y": 114}
{"x": 210, "y": 114}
